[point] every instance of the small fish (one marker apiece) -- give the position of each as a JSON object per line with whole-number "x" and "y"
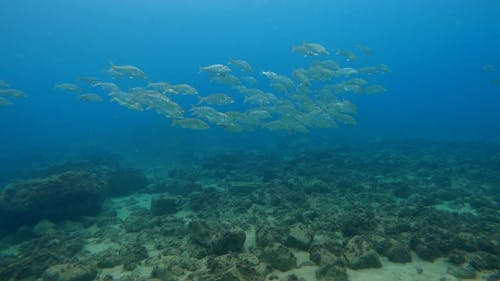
{"x": 183, "y": 89}
{"x": 366, "y": 50}
{"x": 215, "y": 69}
{"x": 489, "y": 68}
{"x": 241, "y": 64}
{"x": 249, "y": 80}
{"x": 4, "y": 84}
{"x": 216, "y": 99}
{"x": 88, "y": 80}
{"x": 5, "y": 102}
{"x": 373, "y": 89}
{"x": 226, "y": 79}
{"x": 13, "y": 93}
{"x": 191, "y": 123}
{"x": 107, "y": 86}
{"x": 311, "y": 49}
{"x": 69, "y": 87}
{"x": 91, "y": 97}
{"x": 348, "y": 55}
{"x": 128, "y": 71}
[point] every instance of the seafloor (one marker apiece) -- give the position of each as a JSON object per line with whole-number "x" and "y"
{"x": 374, "y": 211}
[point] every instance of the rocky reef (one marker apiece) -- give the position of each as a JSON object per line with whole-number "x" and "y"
{"x": 329, "y": 214}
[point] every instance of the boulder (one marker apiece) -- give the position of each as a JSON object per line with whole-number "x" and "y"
{"x": 399, "y": 254}
{"x": 68, "y": 195}
{"x": 215, "y": 238}
{"x": 279, "y": 257}
{"x": 299, "y": 237}
{"x": 360, "y": 254}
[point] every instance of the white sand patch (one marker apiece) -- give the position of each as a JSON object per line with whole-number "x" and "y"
{"x": 453, "y": 207}
{"x": 124, "y": 205}
{"x": 251, "y": 240}
{"x": 95, "y": 248}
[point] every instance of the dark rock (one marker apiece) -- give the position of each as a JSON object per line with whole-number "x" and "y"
{"x": 229, "y": 241}
{"x": 164, "y": 205}
{"x": 279, "y": 257}
{"x": 124, "y": 181}
{"x": 495, "y": 276}
{"x": 484, "y": 261}
{"x": 69, "y": 195}
{"x": 467, "y": 272}
{"x": 215, "y": 238}
{"x": 399, "y": 254}
{"x": 321, "y": 255}
{"x": 331, "y": 273}
{"x": 456, "y": 257}
{"x": 267, "y": 235}
{"x": 429, "y": 243}
{"x": 299, "y": 237}
{"x": 358, "y": 222}
{"x": 129, "y": 255}
{"x": 360, "y": 254}
{"x": 69, "y": 272}
{"x": 135, "y": 224}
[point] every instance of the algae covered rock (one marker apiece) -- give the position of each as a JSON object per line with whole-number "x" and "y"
{"x": 215, "y": 238}
{"x": 360, "y": 254}
{"x": 299, "y": 237}
{"x": 164, "y": 205}
{"x": 279, "y": 257}
{"x": 68, "y": 195}
{"x": 69, "y": 272}
{"x": 399, "y": 254}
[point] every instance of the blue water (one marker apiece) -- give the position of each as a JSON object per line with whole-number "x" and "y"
{"x": 436, "y": 50}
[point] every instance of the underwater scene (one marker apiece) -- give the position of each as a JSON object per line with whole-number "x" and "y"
{"x": 250, "y": 140}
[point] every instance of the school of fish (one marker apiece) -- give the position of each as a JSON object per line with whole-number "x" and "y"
{"x": 244, "y": 99}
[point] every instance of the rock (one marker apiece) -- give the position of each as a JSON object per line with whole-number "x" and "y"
{"x": 467, "y": 272}
{"x": 69, "y": 272}
{"x": 327, "y": 253}
{"x": 495, "y": 276}
{"x": 124, "y": 181}
{"x": 229, "y": 241}
{"x": 64, "y": 196}
{"x": 135, "y": 224}
{"x": 132, "y": 254}
{"x": 331, "y": 273}
{"x": 164, "y": 205}
{"x": 456, "y": 257}
{"x": 279, "y": 257}
{"x": 299, "y": 237}
{"x": 399, "y": 254}
{"x": 360, "y": 254}
{"x": 358, "y": 222}
{"x": 267, "y": 235}
{"x": 45, "y": 228}
{"x": 215, "y": 238}
{"x": 485, "y": 261}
